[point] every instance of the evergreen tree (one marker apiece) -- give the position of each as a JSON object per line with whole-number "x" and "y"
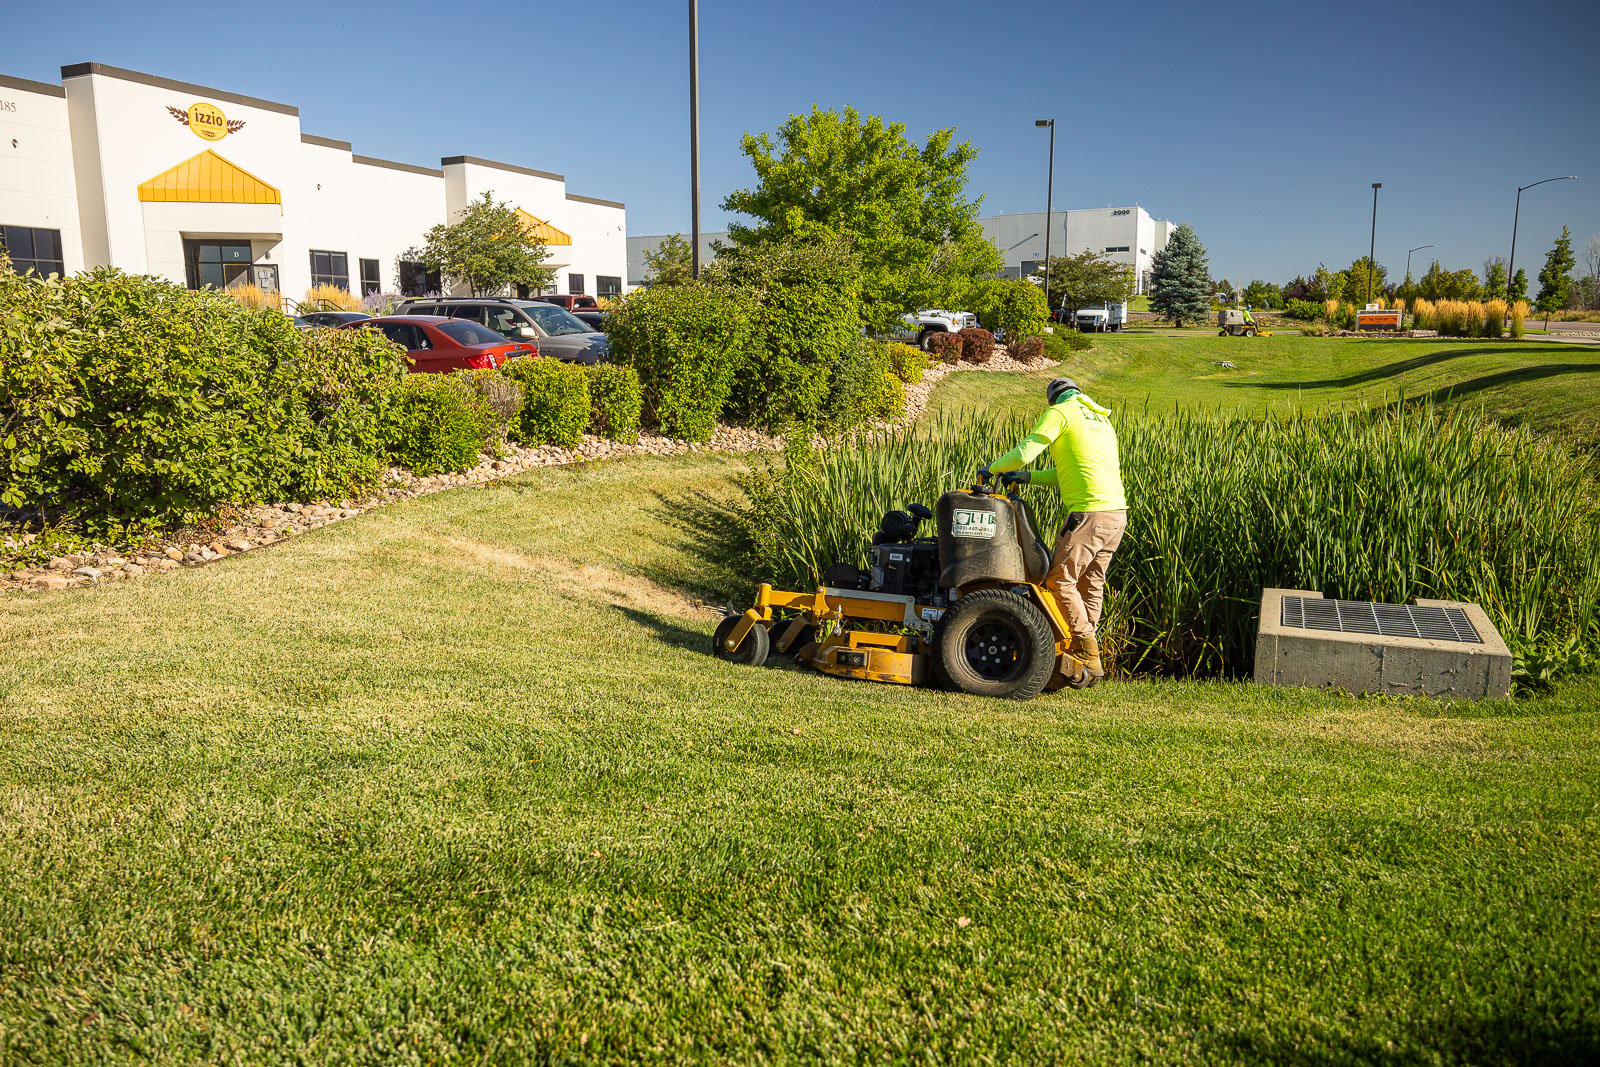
{"x": 1519, "y": 287}
{"x": 1555, "y": 281}
{"x": 1180, "y": 283}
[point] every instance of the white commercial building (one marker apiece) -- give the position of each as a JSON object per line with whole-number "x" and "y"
{"x": 1125, "y": 234}
{"x": 207, "y": 187}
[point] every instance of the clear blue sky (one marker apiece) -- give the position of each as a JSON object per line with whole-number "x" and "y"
{"x": 1263, "y": 125}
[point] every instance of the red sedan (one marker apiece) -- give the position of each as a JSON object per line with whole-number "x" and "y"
{"x": 435, "y": 344}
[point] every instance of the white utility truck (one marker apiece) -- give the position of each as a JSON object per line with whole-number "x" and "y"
{"x": 1108, "y": 316}
{"x": 917, "y": 326}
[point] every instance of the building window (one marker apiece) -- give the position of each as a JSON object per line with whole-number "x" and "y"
{"x": 607, "y": 285}
{"x": 371, "y": 281}
{"x": 1116, "y": 248}
{"x": 330, "y": 268}
{"x": 417, "y": 280}
{"x": 32, "y": 249}
{"x": 216, "y": 264}
{"x": 575, "y": 284}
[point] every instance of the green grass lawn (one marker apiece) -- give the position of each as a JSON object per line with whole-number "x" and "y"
{"x": 459, "y": 780}
{"x": 1545, "y": 386}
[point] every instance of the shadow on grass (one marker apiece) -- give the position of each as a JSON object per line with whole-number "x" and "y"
{"x": 667, "y": 631}
{"x": 710, "y": 531}
{"x": 1508, "y": 377}
{"x": 1376, "y": 374}
{"x": 1512, "y": 1038}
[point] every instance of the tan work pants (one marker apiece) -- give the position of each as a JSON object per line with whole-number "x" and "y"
{"x": 1077, "y": 573}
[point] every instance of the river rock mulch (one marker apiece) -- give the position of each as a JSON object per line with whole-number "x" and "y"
{"x": 236, "y": 530}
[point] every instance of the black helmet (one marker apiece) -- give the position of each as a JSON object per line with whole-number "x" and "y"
{"x": 1060, "y": 387}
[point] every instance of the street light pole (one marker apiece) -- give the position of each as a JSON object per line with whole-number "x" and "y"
{"x": 1408, "y": 258}
{"x": 1372, "y": 250}
{"x": 694, "y": 136}
{"x": 1049, "y": 206}
{"x": 1511, "y": 267}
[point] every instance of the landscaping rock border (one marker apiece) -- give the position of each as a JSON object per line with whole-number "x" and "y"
{"x": 252, "y": 528}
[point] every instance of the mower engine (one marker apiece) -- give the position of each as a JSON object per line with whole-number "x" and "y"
{"x": 902, "y": 563}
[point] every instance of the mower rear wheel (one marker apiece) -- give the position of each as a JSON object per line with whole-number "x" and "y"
{"x": 995, "y": 643}
{"x": 752, "y": 650}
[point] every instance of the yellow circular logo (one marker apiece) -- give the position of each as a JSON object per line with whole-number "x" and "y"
{"x": 208, "y": 122}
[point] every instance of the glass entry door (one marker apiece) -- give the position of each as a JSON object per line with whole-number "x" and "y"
{"x": 216, "y": 264}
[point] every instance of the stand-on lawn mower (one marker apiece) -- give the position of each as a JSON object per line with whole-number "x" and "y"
{"x": 965, "y": 610}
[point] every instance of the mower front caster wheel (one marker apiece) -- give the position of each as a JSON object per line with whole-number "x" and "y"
{"x": 752, "y": 650}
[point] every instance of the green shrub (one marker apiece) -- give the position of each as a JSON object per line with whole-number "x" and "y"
{"x": 555, "y": 401}
{"x": 440, "y": 424}
{"x": 501, "y": 397}
{"x": 1059, "y": 344}
{"x": 132, "y": 403}
{"x": 805, "y": 306}
{"x": 1314, "y": 329}
{"x": 1302, "y": 310}
{"x": 865, "y": 388}
{"x": 977, "y": 345}
{"x": 687, "y": 344}
{"x": 1387, "y": 505}
{"x": 614, "y": 401}
{"x": 907, "y": 361}
{"x": 945, "y": 347}
{"x": 1028, "y": 350}
{"x": 1014, "y": 306}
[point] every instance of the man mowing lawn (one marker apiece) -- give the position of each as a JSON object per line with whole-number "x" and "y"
{"x": 1082, "y": 442}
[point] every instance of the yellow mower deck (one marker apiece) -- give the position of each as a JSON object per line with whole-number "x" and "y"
{"x": 837, "y": 645}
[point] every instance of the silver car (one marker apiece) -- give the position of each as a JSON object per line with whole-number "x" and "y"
{"x": 557, "y": 331}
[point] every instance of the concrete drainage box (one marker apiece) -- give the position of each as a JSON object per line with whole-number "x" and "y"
{"x": 1436, "y": 648}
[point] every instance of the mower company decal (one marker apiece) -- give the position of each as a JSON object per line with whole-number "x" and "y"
{"x": 968, "y": 523}
{"x": 932, "y": 614}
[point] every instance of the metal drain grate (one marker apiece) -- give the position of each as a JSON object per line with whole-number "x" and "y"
{"x": 1387, "y": 620}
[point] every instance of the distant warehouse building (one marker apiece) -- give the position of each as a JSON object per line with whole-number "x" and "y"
{"x": 212, "y": 188}
{"x": 1125, "y": 234}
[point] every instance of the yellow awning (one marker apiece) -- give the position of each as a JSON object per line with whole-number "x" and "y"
{"x": 541, "y": 230}
{"x": 208, "y": 179}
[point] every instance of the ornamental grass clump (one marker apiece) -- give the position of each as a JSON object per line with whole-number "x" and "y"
{"x": 1519, "y": 316}
{"x": 1391, "y": 505}
{"x": 330, "y": 298}
{"x": 1330, "y": 312}
{"x": 1494, "y": 318}
{"x": 1422, "y": 314}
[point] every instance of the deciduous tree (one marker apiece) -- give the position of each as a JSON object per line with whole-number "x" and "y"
{"x": 1180, "y": 283}
{"x": 902, "y": 207}
{"x": 487, "y": 249}
{"x": 1086, "y": 279}
{"x": 670, "y": 263}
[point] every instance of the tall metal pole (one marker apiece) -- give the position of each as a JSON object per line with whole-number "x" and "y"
{"x": 1372, "y": 251}
{"x": 1408, "y": 258}
{"x": 1511, "y": 267}
{"x": 1049, "y": 208}
{"x": 694, "y": 136}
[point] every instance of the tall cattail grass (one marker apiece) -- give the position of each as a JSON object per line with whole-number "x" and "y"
{"x": 1390, "y": 505}
{"x": 331, "y": 298}
{"x": 1519, "y": 315}
{"x": 1494, "y": 318}
{"x": 255, "y": 298}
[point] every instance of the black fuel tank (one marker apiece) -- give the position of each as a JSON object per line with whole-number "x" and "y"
{"x": 977, "y": 540}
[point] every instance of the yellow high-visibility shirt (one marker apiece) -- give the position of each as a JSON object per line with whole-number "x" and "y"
{"x": 1083, "y": 445}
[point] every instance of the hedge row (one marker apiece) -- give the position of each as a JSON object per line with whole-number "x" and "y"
{"x": 130, "y": 403}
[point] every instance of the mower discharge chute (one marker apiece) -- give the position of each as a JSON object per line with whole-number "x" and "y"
{"x": 966, "y": 609}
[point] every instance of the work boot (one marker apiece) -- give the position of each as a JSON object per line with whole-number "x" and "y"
{"x": 1086, "y": 650}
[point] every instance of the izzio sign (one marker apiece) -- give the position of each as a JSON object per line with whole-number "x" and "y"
{"x": 206, "y": 120}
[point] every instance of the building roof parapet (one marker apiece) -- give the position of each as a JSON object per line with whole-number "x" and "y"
{"x": 596, "y": 200}
{"x": 43, "y": 88}
{"x": 476, "y": 161}
{"x": 324, "y": 142}
{"x": 389, "y": 164}
{"x": 78, "y": 70}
